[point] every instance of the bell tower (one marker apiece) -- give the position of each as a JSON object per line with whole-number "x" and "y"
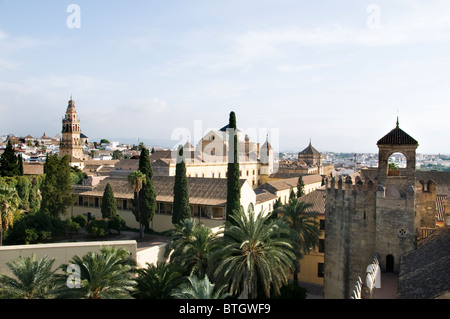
{"x": 70, "y": 142}
{"x": 395, "y": 199}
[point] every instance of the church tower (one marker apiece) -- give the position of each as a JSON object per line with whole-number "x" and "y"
{"x": 71, "y": 141}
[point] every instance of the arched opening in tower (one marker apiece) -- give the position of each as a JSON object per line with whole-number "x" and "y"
{"x": 397, "y": 164}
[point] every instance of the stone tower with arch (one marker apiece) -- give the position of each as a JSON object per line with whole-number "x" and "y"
{"x": 71, "y": 141}
{"x": 378, "y": 213}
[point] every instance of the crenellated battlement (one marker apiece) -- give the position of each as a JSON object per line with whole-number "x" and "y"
{"x": 349, "y": 185}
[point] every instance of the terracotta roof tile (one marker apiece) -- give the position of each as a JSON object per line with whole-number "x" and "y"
{"x": 202, "y": 191}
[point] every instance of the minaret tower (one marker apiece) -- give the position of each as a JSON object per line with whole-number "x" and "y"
{"x": 70, "y": 141}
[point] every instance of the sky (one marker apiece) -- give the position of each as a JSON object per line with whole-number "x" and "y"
{"x": 337, "y": 73}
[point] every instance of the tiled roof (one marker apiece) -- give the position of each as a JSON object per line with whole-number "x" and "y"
{"x": 33, "y": 168}
{"x": 263, "y": 195}
{"x": 202, "y": 191}
{"x": 310, "y": 150}
{"x": 317, "y": 199}
{"x": 282, "y": 184}
{"x": 158, "y": 154}
{"x": 397, "y": 137}
{"x": 424, "y": 272}
{"x": 127, "y": 164}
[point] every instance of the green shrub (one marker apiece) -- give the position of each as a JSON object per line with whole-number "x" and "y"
{"x": 117, "y": 223}
{"x": 30, "y": 236}
{"x": 97, "y": 227}
{"x": 72, "y": 226}
{"x": 32, "y": 227}
{"x": 80, "y": 219}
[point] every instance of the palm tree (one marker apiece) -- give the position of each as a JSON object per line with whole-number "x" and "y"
{"x": 198, "y": 288}
{"x": 104, "y": 275}
{"x": 32, "y": 279}
{"x": 136, "y": 180}
{"x": 256, "y": 249}
{"x": 157, "y": 281}
{"x": 190, "y": 247}
{"x": 305, "y": 230}
{"x": 9, "y": 203}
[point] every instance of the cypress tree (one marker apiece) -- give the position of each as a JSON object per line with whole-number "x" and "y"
{"x": 109, "y": 206}
{"x": 300, "y": 187}
{"x": 292, "y": 194}
{"x": 181, "y": 208}
{"x": 19, "y": 165}
{"x": 233, "y": 182}
{"x": 8, "y": 162}
{"x": 144, "y": 163}
{"x": 148, "y": 201}
{"x": 147, "y": 194}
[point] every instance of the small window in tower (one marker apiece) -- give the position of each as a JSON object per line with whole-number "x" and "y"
{"x": 322, "y": 224}
{"x": 321, "y": 245}
{"x": 320, "y": 270}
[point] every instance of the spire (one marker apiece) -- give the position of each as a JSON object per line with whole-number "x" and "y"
{"x": 71, "y": 105}
{"x": 397, "y": 122}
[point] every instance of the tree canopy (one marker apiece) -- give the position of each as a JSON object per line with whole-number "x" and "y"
{"x": 56, "y": 187}
{"x": 9, "y": 162}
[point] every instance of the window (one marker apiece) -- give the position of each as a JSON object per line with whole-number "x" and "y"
{"x": 248, "y": 173}
{"x": 322, "y": 224}
{"x": 96, "y": 202}
{"x": 320, "y": 270}
{"x": 212, "y": 175}
{"x": 80, "y": 200}
{"x": 321, "y": 245}
{"x": 124, "y": 204}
